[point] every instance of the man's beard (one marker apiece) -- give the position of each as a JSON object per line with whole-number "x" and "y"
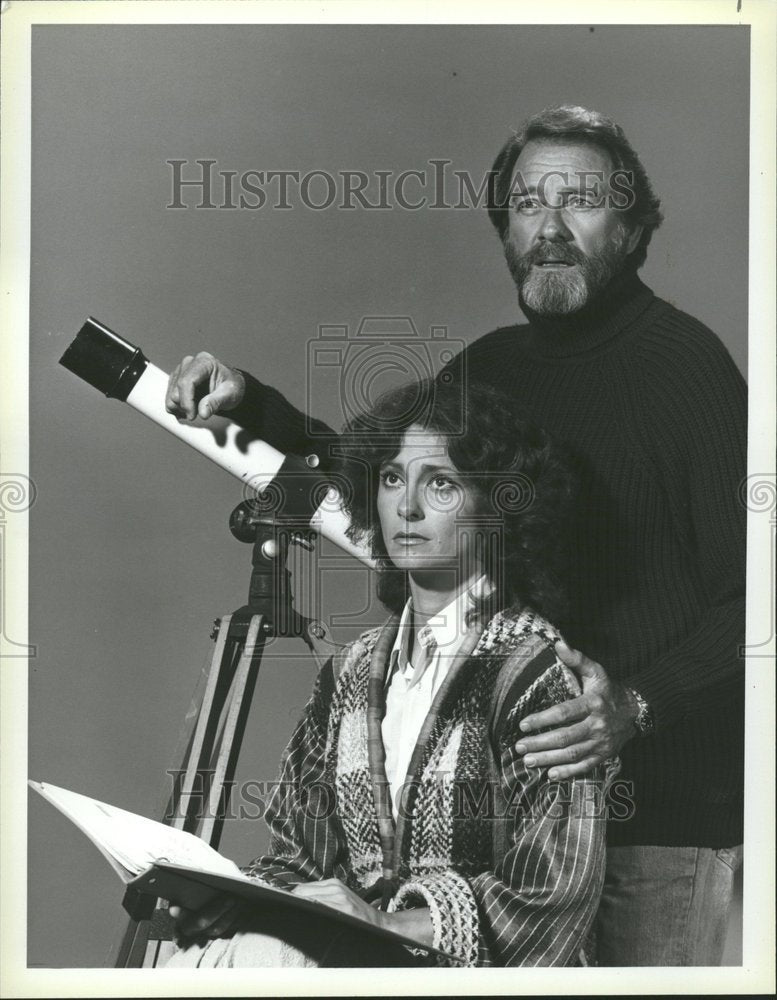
{"x": 560, "y": 292}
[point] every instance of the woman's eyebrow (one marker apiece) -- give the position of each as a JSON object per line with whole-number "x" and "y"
{"x": 425, "y": 467}
{"x": 440, "y": 467}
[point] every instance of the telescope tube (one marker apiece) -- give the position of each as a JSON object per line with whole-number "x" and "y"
{"x": 121, "y": 371}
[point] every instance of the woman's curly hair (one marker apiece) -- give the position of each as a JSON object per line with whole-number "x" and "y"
{"x": 523, "y": 479}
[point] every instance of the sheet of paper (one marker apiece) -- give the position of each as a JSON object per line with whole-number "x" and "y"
{"x": 133, "y": 841}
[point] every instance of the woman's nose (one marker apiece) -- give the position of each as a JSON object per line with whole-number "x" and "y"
{"x": 409, "y": 507}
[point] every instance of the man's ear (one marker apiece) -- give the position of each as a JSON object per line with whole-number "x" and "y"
{"x": 634, "y": 237}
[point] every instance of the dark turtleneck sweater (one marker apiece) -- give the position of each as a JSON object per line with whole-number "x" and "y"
{"x": 654, "y": 411}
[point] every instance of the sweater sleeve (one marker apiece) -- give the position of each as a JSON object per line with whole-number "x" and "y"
{"x": 267, "y": 413}
{"x": 304, "y": 840}
{"x": 699, "y": 449}
{"x": 535, "y": 907}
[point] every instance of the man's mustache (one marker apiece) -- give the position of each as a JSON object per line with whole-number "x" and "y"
{"x": 561, "y": 252}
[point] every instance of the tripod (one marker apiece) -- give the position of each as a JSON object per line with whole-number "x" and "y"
{"x": 200, "y": 797}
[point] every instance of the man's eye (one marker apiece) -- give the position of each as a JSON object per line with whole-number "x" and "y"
{"x": 525, "y": 205}
{"x": 579, "y": 201}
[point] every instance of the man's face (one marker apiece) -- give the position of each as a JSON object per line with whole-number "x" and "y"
{"x": 566, "y": 238}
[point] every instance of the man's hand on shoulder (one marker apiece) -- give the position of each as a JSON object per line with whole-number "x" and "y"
{"x": 586, "y": 730}
{"x": 201, "y": 385}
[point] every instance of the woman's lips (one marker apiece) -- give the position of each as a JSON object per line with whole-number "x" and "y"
{"x": 410, "y": 539}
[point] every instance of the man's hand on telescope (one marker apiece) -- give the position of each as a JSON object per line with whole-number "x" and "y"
{"x": 201, "y": 385}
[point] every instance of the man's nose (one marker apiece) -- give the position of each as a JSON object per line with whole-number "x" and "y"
{"x": 553, "y": 227}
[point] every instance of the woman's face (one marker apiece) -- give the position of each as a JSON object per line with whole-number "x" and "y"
{"x": 425, "y": 506}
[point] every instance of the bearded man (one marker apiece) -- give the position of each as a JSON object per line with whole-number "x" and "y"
{"x": 654, "y": 409}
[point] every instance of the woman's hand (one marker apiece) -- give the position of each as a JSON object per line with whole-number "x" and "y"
{"x": 332, "y": 892}
{"x": 414, "y": 923}
{"x": 221, "y": 917}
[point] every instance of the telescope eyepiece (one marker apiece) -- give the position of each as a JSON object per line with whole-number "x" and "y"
{"x": 105, "y": 360}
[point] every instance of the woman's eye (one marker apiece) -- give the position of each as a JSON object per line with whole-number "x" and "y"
{"x": 443, "y": 483}
{"x": 389, "y": 478}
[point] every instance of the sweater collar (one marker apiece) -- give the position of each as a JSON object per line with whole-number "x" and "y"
{"x": 596, "y": 324}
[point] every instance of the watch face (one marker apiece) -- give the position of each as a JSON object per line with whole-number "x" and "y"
{"x": 644, "y": 720}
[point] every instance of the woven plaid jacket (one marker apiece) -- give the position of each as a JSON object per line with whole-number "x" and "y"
{"x": 509, "y": 864}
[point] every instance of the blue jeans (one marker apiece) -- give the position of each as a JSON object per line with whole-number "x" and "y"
{"x": 665, "y": 905}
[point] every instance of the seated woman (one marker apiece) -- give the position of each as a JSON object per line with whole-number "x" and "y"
{"x": 402, "y": 798}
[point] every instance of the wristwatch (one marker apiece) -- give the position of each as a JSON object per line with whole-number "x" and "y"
{"x": 644, "y": 722}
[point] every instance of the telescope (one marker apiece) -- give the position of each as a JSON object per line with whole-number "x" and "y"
{"x": 288, "y": 499}
{"x": 120, "y": 370}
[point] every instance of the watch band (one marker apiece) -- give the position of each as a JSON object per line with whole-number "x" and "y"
{"x": 644, "y": 722}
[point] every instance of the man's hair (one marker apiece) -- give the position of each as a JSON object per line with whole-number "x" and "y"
{"x": 523, "y": 481}
{"x": 569, "y": 123}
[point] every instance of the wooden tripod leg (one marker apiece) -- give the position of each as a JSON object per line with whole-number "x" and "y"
{"x": 219, "y": 739}
{"x": 139, "y": 943}
{"x": 238, "y": 700}
{"x": 205, "y": 729}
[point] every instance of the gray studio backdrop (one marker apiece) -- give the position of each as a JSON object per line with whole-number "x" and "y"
{"x": 130, "y": 554}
